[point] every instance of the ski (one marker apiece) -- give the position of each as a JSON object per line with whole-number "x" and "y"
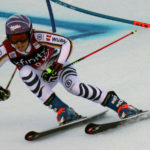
{"x": 93, "y": 128}
{"x": 33, "y": 135}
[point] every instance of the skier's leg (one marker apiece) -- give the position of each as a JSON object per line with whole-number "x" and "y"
{"x": 43, "y": 90}
{"x": 69, "y": 79}
{"x": 123, "y": 109}
{"x": 71, "y": 82}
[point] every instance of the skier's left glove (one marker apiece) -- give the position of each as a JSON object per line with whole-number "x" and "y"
{"x": 4, "y": 94}
{"x": 51, "y": 74}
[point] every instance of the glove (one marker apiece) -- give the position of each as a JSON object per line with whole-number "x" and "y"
{"x": 4, "y": 94}
{"x": 51, "y": 74}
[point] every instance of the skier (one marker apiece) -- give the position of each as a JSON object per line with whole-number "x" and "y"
{"x": 40, "y": 58}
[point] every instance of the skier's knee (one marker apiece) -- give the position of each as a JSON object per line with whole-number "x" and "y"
{"x": 25, "y": 71}
{"x": 69, "y": 85}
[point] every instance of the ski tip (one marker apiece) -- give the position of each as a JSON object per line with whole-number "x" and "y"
{"x": 90, "y": 128}
{"x": 30, "y": 136}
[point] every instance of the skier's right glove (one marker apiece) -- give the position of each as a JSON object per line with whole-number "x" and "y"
{"x": 51, "y": 74}
{"x": 4, "y": 94}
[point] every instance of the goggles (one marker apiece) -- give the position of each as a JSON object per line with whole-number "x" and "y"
{"x": 15, "y": 38}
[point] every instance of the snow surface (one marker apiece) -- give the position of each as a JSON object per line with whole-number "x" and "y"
{"x": 123, "y": 67}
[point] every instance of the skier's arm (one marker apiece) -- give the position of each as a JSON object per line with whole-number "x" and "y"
{"x": 55, "y": 40}
{"x": 66, "y": 48}
{"x": 50, "y": 74}
{"x": 3, "y": 55}
{"x": 4, "y": 93}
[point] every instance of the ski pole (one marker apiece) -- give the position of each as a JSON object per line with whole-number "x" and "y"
{"x": 51, "y": 15}
{"x": 90, "y": 54}
{"x": 133, "y": 22}
{"x": 10, "y": 80}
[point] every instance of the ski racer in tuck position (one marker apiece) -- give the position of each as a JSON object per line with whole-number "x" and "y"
{"x": 40, "y": 57}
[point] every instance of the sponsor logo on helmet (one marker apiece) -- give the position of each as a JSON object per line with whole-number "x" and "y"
{"x": 13, "y": 28}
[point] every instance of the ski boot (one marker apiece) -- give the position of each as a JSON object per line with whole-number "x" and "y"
{"x": 123, "y": 109}
{"x": 65, "y": 114}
